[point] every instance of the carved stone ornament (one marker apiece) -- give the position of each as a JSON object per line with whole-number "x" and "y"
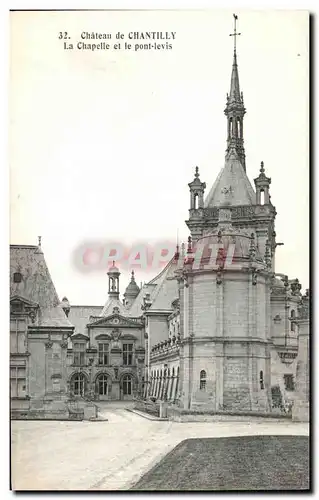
{"x": 219, "y": 276}
{"x": 277, "y": 319}
{"x": 295, "y": 287}
{"x": 48, "y": 345}
{"x": 303, "y": 307}
{"x": 116, "y": 334}
{"x": 32, "y": 315}
{"x": 64, "y": 345}
{"x": 254, "y": 278}
{"x": 184, "y": 278}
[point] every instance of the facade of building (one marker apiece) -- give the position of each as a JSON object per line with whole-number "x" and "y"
{"x": 217, "y": 329}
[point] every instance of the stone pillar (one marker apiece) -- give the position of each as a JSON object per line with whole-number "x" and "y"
{"x": 300, "y": 411}
{"x": 116, "y": 354}
{"x": 48, "y": 366}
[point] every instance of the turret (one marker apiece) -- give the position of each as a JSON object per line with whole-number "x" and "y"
{"x": 114, "y": 281}
{"x": 262, "y": 184}
{"x": 131, "y": 292}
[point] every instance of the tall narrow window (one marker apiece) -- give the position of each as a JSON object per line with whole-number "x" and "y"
{"x": 103, "y": 384}
{"x": 79, "y": 353}
{"x": 127, "y": 354}
{"x": 168, "y": 382}
{"x": 177, "y": 384}
{"x": 238, "y": 127}
{"x": 289, "y": 382}
{"x": 17, "y": 335}
{"x": 127, "y": 385}
{"x": 18, "y": 381}
{"x": 172, "y": 384}
{"x": 261, "y": 379}
{"x": 292, "y": 324}
{"x": 262, "y": 197}
{"x": 103, "y": 350}
{"x": 202, "y": 380}
{"x": 78, "y": 384}
{"x": 196, "y": 201}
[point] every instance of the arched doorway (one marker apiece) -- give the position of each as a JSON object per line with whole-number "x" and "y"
{"x": 103, "y": 386}
{"x": 127, "y": 386}
{"x": 78, "y": 384}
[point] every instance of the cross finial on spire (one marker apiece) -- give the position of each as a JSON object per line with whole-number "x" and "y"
{"x": 235, "y": 34}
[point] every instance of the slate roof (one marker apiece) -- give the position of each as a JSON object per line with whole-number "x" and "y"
{"x": 136, "y": 308}
{"x": 162, "y": 290}
{"x": 232, "y": 174}
{"x": 36, "y": 285}
{"x": 166, "y": 290}
{"x": 80, "y": 316}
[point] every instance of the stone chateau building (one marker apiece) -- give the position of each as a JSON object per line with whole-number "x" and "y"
{"x": 205, "y": 333}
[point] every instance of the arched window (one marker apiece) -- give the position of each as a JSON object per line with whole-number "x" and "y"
{"x": 238, "y": 127}
{"x": 78, "y": 384}
{"x": 202, "y": 380}
{"x": 127, "y": 385}
{"x": 196, "y": 201}
{"x": 262, "y": 197}
{"x": 231, "y": 127}
{"x": 172, "y": 383}
{"x": 292, "y": 324}
{"x": 261, "y": 379}
{"x": 158, "y": 383}
{"x": 177, "y": 384}
{"x": 103, "y": 384}
{"x": 168, "y": 381}
{"x": 163, "y": 377}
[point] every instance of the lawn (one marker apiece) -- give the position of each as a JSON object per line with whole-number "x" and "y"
{"x": 233, "y": 463}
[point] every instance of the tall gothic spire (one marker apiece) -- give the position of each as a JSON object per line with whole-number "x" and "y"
{"x": 235, "y": 109}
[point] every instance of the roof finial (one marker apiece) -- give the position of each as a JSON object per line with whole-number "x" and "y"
{"x": 183, "y": 249}
{"x": 113, "y": 264}
{"x": 39, "y": 241}
{"x": 196, "y": 172}
{"x": 235, "y": 34}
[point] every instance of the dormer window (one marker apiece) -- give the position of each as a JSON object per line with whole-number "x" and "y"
{"x": 17, "y": 277}
{"x": 16, "y": 307}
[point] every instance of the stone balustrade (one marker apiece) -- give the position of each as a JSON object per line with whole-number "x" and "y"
{"x": 166, "y": 347}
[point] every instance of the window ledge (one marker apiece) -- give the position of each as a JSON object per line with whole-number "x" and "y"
{"x": 19, "y": 354}
{"x": 21, "y": 398}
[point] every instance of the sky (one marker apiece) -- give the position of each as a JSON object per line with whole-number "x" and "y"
{"x": 103, "y": 144}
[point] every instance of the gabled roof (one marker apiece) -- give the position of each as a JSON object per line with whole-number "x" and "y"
{"x": 36, "y": 285}
{"x": 28, "y": 303}
{"x": 231, "y": 175}
{"x": 109, "y": 306}
{"x": 114, "y": 320}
